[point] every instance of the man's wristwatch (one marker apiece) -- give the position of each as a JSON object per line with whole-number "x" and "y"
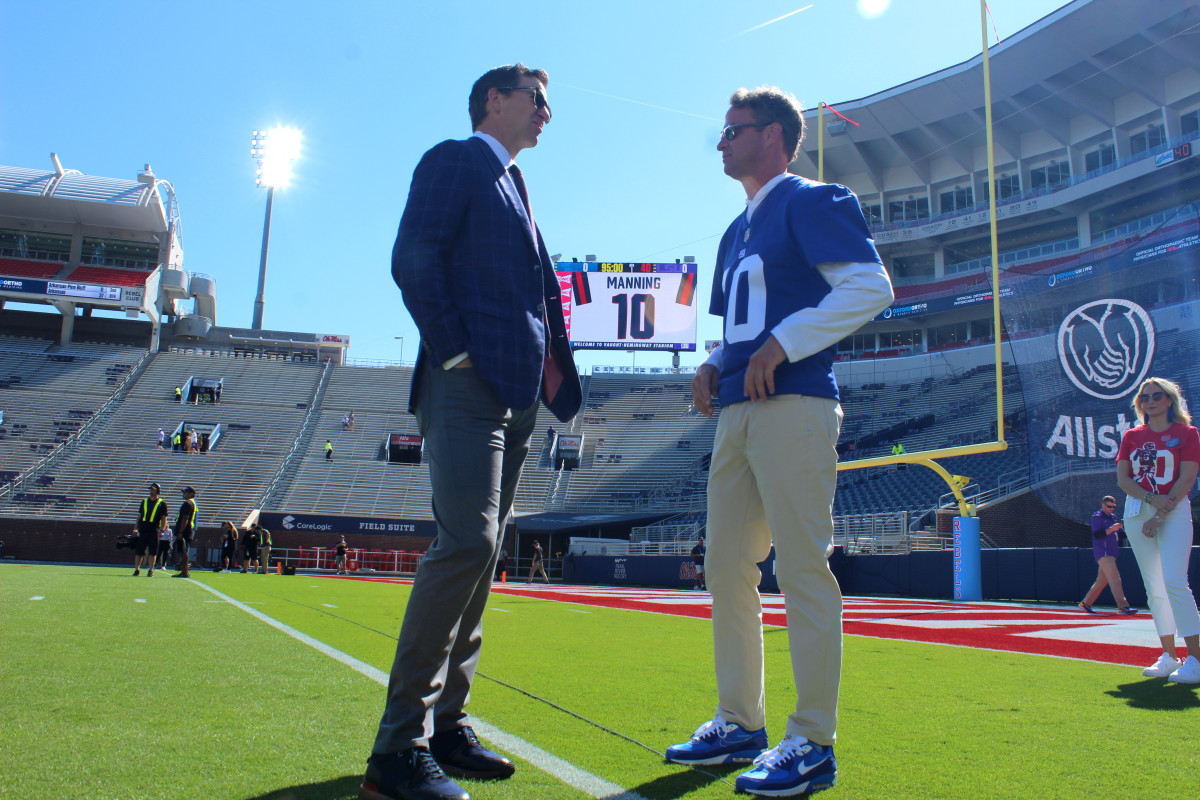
{"x": 1148, "y": 496}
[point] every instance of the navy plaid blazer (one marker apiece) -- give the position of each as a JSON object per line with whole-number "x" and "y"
{"x": 476, "y": 279}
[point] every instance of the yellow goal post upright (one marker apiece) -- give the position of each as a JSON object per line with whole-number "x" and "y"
{"x": 927, "y": 458}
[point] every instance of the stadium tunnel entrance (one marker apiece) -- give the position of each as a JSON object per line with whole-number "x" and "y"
{"x": 554, "y": 529}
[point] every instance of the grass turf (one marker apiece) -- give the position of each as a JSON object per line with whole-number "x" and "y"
{"x": 181, "y": 696}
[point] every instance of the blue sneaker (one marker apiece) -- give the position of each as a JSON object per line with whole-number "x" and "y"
{"x": 719, "y": 742}
{"x": 795, "y": 766}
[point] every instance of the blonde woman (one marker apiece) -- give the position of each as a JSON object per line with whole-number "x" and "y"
{"x": 1156, "y": 467}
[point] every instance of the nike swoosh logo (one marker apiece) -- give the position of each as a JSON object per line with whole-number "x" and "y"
{"x": 843, "y": 197}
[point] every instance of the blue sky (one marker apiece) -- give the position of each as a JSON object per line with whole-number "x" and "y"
{"x": 627, "y": 170}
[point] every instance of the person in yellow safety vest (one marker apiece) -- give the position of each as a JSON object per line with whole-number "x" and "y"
{"x": 185, "y": 528}
{"x": 152, "y": 518}
{"x": 897, "y": 449}
{"x": 178, "y": 394}
{"x": 328, "y": 450}
{"x": 177, "y": 441}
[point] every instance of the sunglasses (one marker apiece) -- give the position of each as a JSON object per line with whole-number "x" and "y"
{"x": 535, "y": 92}
{"x": 1110, "y": 505}
{"x": 1151, "y": 397}
{"x": 730, "y": 132}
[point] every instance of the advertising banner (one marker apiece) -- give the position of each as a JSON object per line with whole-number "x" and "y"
{"x": 1115, "y": 322}
{"x": 283, "y": 521}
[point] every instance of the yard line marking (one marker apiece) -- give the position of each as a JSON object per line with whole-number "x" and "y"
{"x": 139, "y": 600}
{"x": 552, "y": 765}
{"x": 38, "y": 597}
{"x": 579, "y": 611}
{"x": 505, "y": 610}
{"x": 329, "y": 605}
{"x": 565, "y": 771}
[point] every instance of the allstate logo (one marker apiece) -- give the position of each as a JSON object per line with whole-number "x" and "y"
{"x": 1106, "y": 346}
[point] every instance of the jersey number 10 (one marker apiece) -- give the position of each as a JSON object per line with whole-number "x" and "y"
{"x": 635, "y": 314}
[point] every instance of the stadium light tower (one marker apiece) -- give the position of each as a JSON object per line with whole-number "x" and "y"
{"x": 274, "y": 151}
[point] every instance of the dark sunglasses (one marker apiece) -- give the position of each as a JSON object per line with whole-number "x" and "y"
{"x": 1153, "y": 396}
{"x": 1110, "y": 505}
{"x": 730, "y": 132}
{"x": 535, "y": 92}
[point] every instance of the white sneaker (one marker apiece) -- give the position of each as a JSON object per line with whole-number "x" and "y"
{"x": 1163, "y": 668}
{"x": 1188, "y": 673}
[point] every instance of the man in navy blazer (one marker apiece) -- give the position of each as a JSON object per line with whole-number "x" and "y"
{"x": 479, "y": 283}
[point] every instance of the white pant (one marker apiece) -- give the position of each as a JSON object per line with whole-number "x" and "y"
{"x": 1163, "y": 560}
{"x": 773, "y": 473}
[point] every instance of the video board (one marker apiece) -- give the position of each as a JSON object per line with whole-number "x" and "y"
{"x": 629, "y": 306}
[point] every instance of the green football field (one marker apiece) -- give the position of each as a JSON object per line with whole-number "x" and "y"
{"x": 247, "y": 686}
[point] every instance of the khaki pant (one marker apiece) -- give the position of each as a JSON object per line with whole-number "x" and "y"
{"x": 773, "y": 473}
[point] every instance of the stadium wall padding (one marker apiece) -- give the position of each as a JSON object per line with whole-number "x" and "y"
{"x": 1058, "y": 574}
{"x": 1061, "y": 575}
{"x": 68, "y": 541}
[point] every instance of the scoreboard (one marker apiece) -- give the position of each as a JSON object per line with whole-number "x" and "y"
{"x": 629, "y": 306}
{"x": 404, "y": 448}
{"x": 61, "y": 288}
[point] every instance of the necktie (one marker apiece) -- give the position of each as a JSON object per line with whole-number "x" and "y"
{"x": 519, "y": 181}
{"x": 552, "y": 373}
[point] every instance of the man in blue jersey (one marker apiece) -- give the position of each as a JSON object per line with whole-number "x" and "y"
{"x": 795, "y": 273}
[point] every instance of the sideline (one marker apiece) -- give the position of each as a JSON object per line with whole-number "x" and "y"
{"x": 573, "y": 776}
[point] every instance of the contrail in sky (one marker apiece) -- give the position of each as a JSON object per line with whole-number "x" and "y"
{"x": 639, "y": 102}
{"x": 773, "y": 21}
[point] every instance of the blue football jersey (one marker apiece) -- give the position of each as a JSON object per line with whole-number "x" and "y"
{"x": 766, "y": 271}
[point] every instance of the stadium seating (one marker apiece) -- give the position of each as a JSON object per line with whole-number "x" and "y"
{"x": 27, "y": 268}
{"x": 48, "y": 392}
{"x": 646, "y": 449}
{"x": 358, "y": 480}
{"x": 111, "y": 276}
{"x": 634, "y": 427}
{"x": 261, "y": 410}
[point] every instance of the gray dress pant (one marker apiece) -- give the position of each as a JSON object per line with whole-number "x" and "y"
{"x": 476, "y": 449}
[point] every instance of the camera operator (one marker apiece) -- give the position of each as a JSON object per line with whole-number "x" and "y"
{"x": 250, "y": 549}
{"x": 152, "y": 518}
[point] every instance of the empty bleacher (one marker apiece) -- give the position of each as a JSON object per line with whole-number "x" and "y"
{"x": 29, "y": 268}
{"x": 358, "y": 480}
{"x": 642, "y": 438}
{"x": 47, "y": 393}
{"x": 112, "y": 276}
{"x": 645, "y": 448}
{"x": 262, "y": 407}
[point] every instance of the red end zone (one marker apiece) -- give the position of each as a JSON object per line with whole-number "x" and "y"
{"x": 1042, "y": 630}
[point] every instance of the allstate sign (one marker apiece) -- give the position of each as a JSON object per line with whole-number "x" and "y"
{"x": 1105, "y": 347}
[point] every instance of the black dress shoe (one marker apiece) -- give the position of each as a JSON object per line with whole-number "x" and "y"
{"x": 407, "y": 775}
{"x": 460, "y": 754}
